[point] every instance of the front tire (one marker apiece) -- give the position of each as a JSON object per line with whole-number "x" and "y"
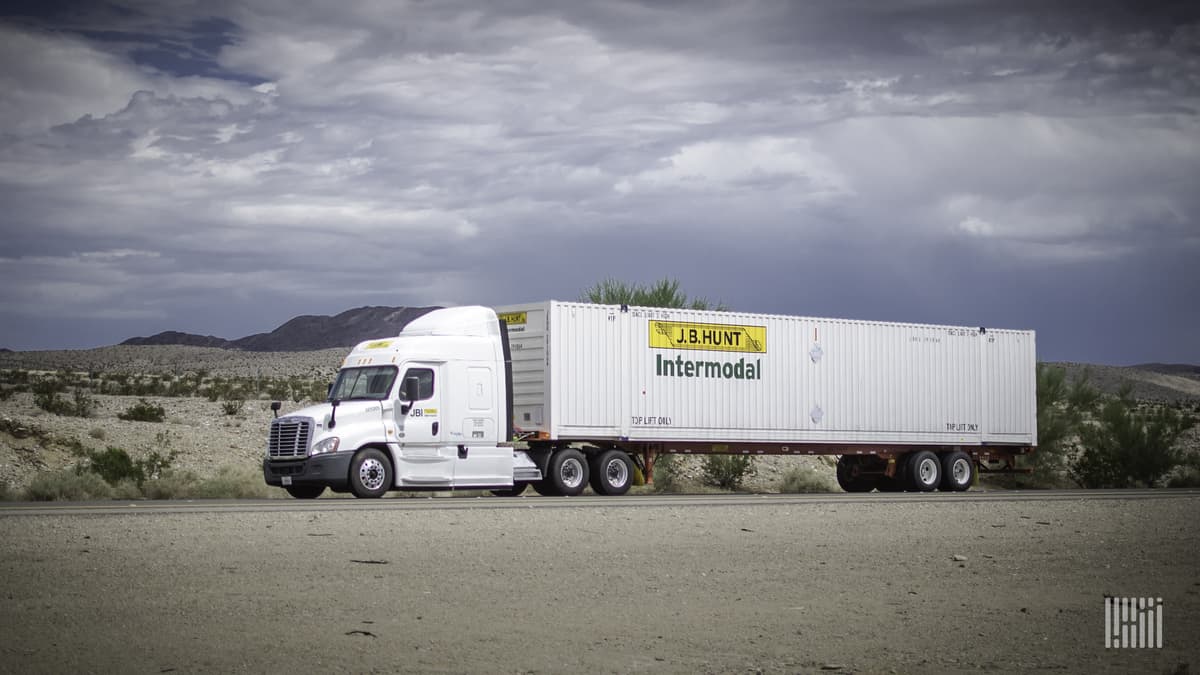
{"x": 611, "y": 473}
{"x": 305, "y": 491}
{"x": 370, "y": 474}
{"x": 958, "y": 471}
{"x": 568, "y": 472}
{"x": 924, "y": 471}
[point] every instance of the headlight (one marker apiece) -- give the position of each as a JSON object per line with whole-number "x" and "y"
{"x": 328, "y": 445}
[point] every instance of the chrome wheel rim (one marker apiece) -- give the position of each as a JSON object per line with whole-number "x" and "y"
{"x": 371, "y": 473}
{"x": 927, "y": 470}
{"x": 571, "y": 473}
{"x": 616, "y": 473}
{"x": 961, "y": 471}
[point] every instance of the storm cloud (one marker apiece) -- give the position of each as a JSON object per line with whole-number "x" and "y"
{"x": 221, "y": 167}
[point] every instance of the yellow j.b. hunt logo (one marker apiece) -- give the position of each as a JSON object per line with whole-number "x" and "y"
{"x": 513, "y": 318}
{"x": 716, "y": 337}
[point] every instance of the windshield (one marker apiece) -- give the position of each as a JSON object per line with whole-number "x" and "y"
{"x": 371, "y": 383}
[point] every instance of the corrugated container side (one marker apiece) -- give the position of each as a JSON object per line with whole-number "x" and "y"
{"x": 659, "y": 374}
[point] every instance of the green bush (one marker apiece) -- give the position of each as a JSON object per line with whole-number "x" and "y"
{"x": 667, "y": 474}
{"x": 231, "y": 482}
{"x": 727, "y": 471}
{"x": 97, "y": 433}
{"x": 68, "y": 485}
{"x": 233, "y": 406}
{"x": 1129, "y": 445}
{"x": 114, "y": 465}
{"x": 805, "y": 480}
{"x": 143, "y": 411}
{"x": 1187, "y": 477}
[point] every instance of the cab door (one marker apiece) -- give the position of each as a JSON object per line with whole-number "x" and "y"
{"x": 423, "y": 458}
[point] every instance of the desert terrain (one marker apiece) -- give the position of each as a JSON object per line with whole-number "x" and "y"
{"x": 784, "y": 584}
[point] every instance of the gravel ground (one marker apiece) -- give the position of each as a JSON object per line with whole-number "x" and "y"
{"x": 830, "y": 586}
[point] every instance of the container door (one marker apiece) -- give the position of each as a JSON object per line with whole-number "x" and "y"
{"x": 423, "y": 459}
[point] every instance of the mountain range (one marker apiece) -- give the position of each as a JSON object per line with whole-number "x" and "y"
{"x": 303, "y": 333}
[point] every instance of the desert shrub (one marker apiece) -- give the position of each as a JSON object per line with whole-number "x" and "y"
{"x": 1185, "y": 477}
{"x": 231, "y": 482}
{"x": 235, "y": 482}
{"x": 727, "y": 471}
{"x": 805, "y": 480}
{"x": 143, "y": 411}
{"x": 46, "y": 396}
{"x": 97, "y": 433}
{"x": 233, "y": 406}
{"x": 6, "y": 393}
{"x": 6, "y": 493}
{"x": 1128, "y": 445}
{"x": 667, "y": 474}
{"x": 67, "y": 485}
{"x": 82, "y": 404}
{"x": 114, "y": 465}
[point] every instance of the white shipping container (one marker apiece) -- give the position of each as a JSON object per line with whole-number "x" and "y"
{"x": 637, "y": 374}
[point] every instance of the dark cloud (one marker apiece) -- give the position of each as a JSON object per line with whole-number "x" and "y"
{"x": 219, "y": 168}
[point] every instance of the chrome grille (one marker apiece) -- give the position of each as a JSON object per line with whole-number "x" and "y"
{"x": 289, "y": 437}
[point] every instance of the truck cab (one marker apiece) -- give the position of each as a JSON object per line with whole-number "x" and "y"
{"x": 424, "y": 410}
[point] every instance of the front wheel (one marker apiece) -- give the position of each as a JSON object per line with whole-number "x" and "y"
{"x": 370, "y": 474}
{"x": 568, "y": 472}
{"x": 611, "y": 473}
{"x": 305, "y": 491}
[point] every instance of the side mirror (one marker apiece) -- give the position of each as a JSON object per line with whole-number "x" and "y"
{"x": 409, "y": 391}
{"x": 275, "y": 406}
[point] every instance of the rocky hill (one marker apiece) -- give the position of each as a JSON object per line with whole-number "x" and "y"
{"x": 303, "y": 333}
{"x": 1150, "y": 382}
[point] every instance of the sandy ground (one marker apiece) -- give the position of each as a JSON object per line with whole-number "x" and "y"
{"x": 821, "y": 586}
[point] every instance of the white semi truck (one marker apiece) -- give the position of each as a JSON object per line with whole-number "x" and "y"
{"x": 563, "y": 395}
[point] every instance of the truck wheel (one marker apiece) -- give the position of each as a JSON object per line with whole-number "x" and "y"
{"x": 305, "y": 491}
{"x": 958, "y": 471}
{"x": 370, "y": 474}
{"x": 515, "y": 491}
{"x": 849, "y": 477}
{"x": 611, "y": 473}
{"x": 924, "y": 471}
{"x": 568, "y": 472}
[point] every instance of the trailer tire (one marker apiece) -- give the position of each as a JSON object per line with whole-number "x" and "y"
{"x": 514, "y": 491}
{"x": 958, "y": 471}
{"x": 370, "y": 474}
{"x": 849, "y": 478}
{"x": 568, "y": 472}
{"x": 611, "y": 473}
{"x": 305, "y": 491}
{"x": 924, "y": 471}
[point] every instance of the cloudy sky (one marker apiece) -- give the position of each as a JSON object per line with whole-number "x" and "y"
{"x": 218, "y": 167}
